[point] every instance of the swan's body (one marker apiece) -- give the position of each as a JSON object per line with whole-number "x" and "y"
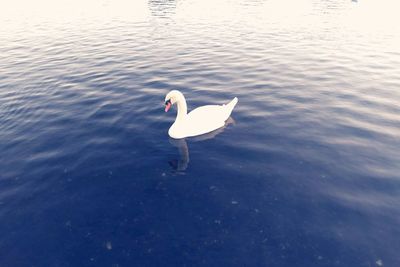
{"x": 199, "y": 121}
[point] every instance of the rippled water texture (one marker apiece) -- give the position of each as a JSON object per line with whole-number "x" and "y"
{"x": 306, "y": 172}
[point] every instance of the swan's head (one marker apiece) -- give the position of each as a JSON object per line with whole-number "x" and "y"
{"x": 171, "y": 98}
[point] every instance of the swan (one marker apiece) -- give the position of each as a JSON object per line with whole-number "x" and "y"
{"x": 199, "y": 121}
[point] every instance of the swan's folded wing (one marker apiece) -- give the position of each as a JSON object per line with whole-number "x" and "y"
{"x": 205, "y": 119}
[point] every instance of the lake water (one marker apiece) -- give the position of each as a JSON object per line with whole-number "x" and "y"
{"x": 306, "y": 172}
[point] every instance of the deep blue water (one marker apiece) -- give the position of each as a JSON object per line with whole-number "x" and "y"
{"x": 307, "y": 172}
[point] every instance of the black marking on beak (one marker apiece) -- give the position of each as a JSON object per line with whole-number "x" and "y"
{"x": 168, "y": 102}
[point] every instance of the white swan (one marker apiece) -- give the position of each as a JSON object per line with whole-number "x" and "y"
{"x": 200, "y": 120}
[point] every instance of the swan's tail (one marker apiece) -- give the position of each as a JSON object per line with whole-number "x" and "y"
{"x": 231, "y": 105}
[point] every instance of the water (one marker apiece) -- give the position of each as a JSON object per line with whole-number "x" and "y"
{"x": 306, "y": 173}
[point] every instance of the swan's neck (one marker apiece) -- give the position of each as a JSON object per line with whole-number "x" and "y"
{"x": 182, "y": 108}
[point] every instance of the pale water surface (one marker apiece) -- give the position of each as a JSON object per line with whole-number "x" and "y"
{"x": 306, "y": 173}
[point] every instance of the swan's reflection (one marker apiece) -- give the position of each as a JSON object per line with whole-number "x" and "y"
{"x": 181, "y": 164}
{"x": 183, "y": 149}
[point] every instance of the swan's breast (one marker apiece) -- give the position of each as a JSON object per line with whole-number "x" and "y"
{"x": 176, "y": 131}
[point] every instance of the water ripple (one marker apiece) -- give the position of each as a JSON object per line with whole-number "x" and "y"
{"x": 309, "y": 165}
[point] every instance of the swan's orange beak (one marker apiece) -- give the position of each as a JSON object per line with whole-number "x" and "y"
{"x": 167, "y": 105}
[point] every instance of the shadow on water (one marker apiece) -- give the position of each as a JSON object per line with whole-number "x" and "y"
{"x": 179, "y": 166}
